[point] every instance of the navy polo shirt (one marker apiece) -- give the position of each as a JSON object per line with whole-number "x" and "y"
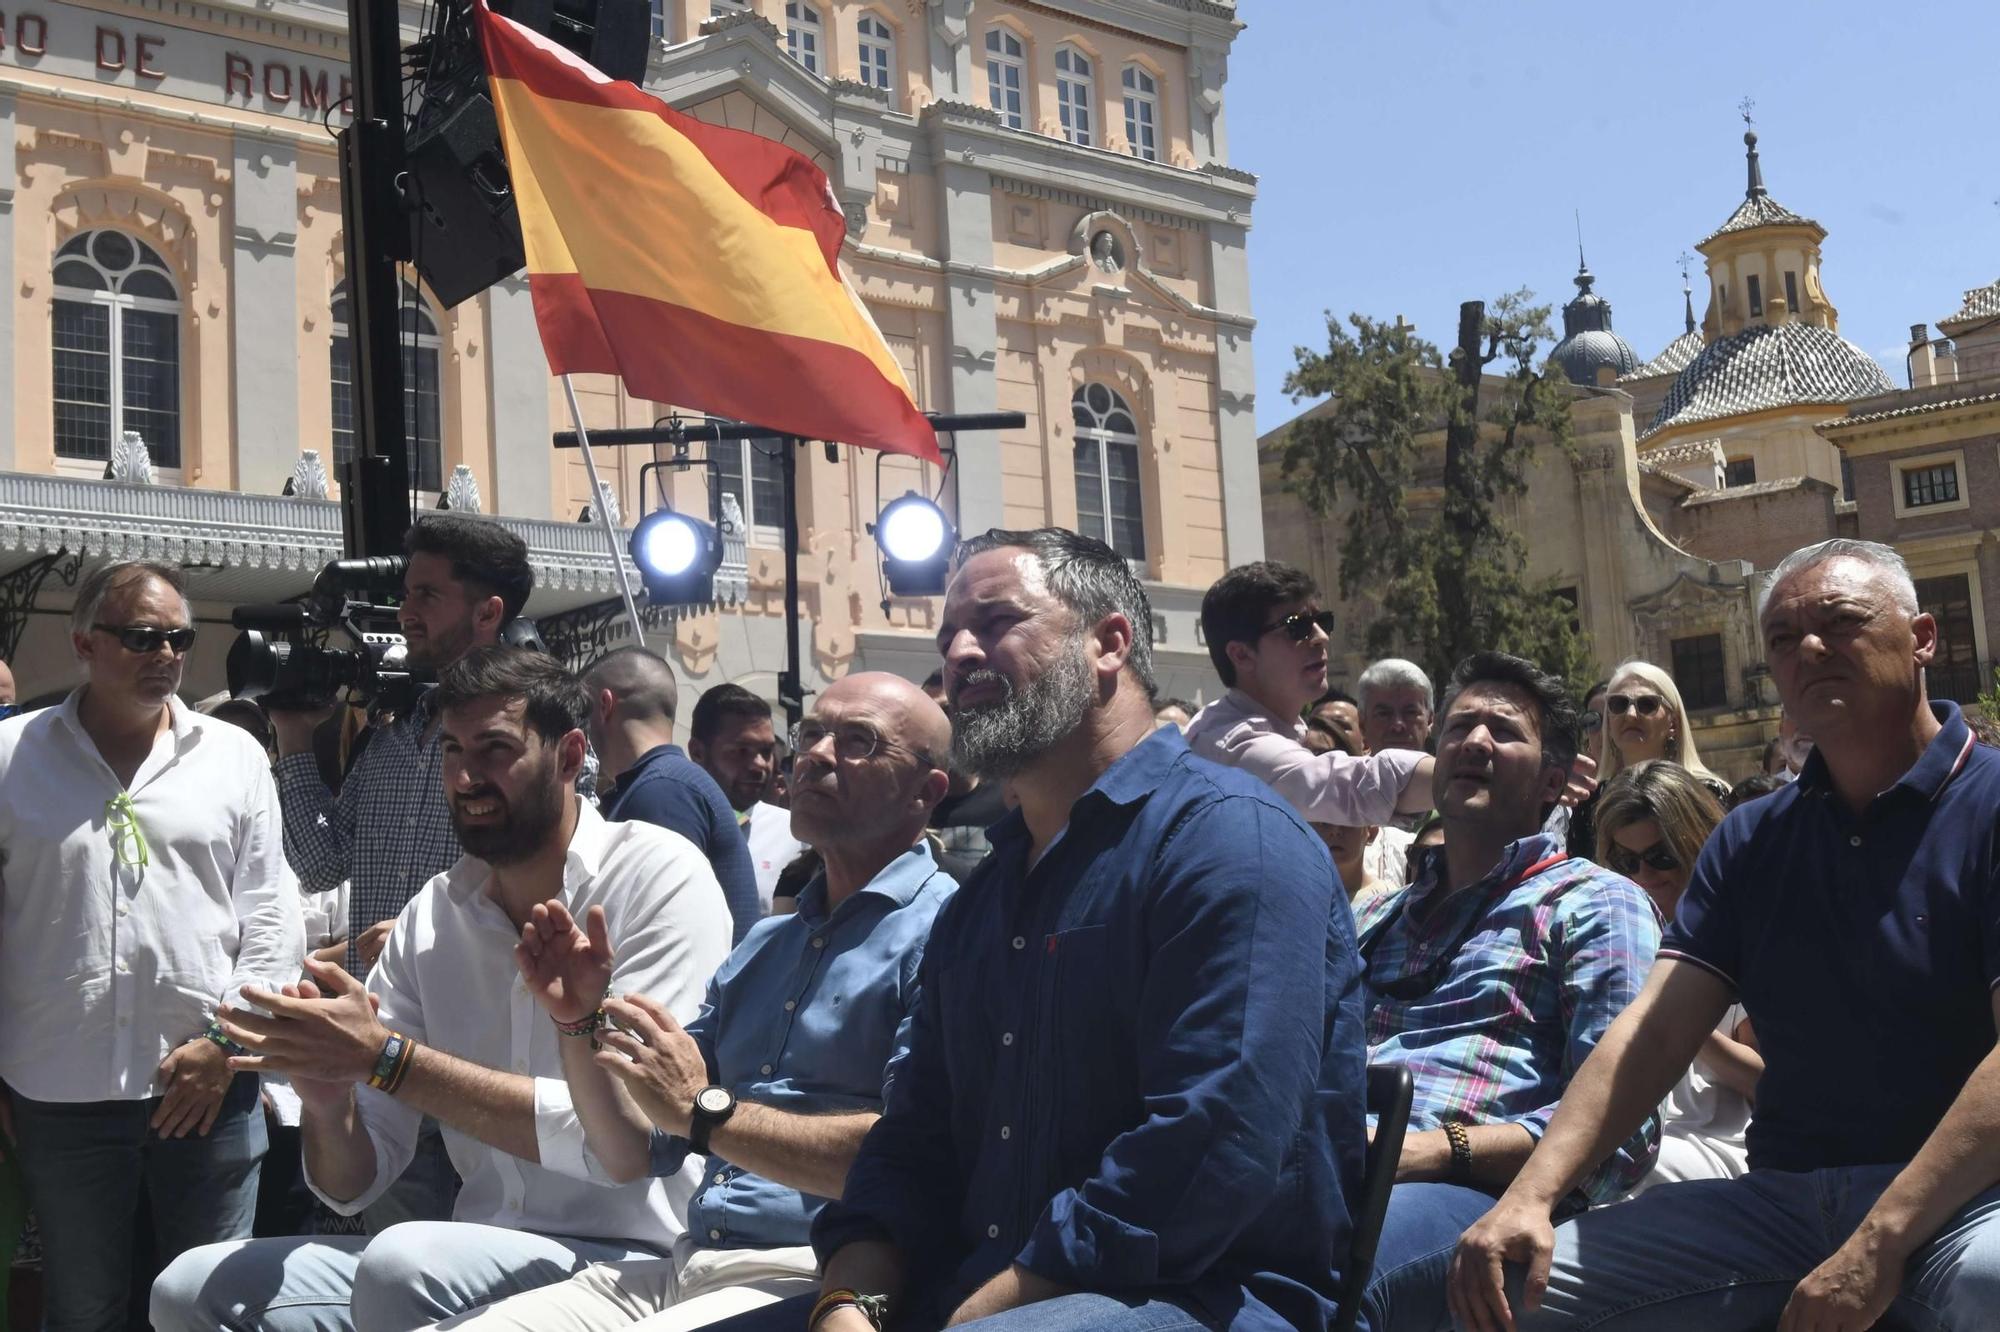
{"x": 1864, "y": 949}
{"x": 668, "y": 789}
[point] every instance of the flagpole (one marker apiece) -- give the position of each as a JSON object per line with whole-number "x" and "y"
{"x": 603, "y": 512}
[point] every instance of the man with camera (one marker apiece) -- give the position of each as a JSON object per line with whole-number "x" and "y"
{"x": 389, "y": 831}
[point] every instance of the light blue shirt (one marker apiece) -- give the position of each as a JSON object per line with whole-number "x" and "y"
{"x": 807, "y": 1015}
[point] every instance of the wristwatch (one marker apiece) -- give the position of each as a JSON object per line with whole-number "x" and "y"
{"x": 712, "y": 1108}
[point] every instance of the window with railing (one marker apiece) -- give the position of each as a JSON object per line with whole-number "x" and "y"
{"x": 1699, "y": 671}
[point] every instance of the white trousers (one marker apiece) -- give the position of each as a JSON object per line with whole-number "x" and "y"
{"x": 693, "y": 1288}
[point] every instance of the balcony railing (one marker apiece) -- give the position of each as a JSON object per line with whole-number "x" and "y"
{"x": 1960, "y": 682}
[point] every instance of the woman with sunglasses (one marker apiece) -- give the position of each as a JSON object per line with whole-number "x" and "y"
{"x": 1645, "y": 719}
{"x": 1651, "y": 823}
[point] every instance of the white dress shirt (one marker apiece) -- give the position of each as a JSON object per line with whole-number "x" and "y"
{"x": 107, "y": 966}
{"x": 1334, "y": 788}
{"x": 447, "y": 979}
{"x": 768, "y": 830}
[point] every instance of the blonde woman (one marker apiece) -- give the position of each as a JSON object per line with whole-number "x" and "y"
{"x": 1651, "y": 823}
{"x": 1645, "y": 719}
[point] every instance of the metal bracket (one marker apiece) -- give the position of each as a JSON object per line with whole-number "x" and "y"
{"x": 19, "y": 589}
{"x": 580, "y": 636}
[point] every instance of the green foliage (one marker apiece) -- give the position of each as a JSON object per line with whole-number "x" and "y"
{"x": 1449, "y": 576}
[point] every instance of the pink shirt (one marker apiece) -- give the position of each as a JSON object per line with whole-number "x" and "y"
{"x": 1324, "y": 788}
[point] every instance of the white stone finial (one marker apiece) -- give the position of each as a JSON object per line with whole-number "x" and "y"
{"x": 309, "y": 479}
{"x": 130, "y": 461}
{"x": 462, "y": 490}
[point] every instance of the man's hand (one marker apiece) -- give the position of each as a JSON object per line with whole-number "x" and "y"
{"x": 295, "y": 729}
{"x": 660, "y": 1065}
{"x": 372, "y": 941}
{"x": 196, "y": 1076}
{"x": 567, "y": 970}
{"x": 311, "y": 1091}
{"x": 1009, "y": 1289}
{"x": 1849, "y": 1291}
{"x": 330, "y": 1036}
{"x": 1582, "y": 780}
{"x": 1477, "y": 1286}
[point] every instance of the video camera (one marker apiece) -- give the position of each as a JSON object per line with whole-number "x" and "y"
{"x": 281, "y": 656}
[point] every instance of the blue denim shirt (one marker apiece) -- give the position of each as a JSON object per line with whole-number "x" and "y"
{"x": 807, "y": 1015}
{"x": 1136, "y": 1067}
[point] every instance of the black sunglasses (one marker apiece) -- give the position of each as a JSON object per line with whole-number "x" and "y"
{"x": 144, "y": 638}
{"x": 1643, "y": 704}
{"x": 1655, "y": 857}
{"x": 1300, "y": 627}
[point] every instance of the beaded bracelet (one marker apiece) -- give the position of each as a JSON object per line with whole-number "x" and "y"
{"x": 585, "y": 1026}
{"x": 214, "y": 1032}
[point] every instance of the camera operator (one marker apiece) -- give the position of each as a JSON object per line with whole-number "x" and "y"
{"x": 389, "y": 831}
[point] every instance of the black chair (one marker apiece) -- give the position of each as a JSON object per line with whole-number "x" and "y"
{"x": 1389, "y": 1092}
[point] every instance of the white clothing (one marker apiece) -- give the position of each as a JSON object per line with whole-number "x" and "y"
{"x": 1701, "y": 1125}
{"x": 1387, "y": 858}
{"x": 1335, "y": 788}
{"x": 447, "y": 979}
{"x": 107, "y": 965}
{"x": 693, "y": 1288}
{"x": 772, "y": 846}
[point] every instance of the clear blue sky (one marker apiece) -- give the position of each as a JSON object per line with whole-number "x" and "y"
{"x": 1416, "y": 153}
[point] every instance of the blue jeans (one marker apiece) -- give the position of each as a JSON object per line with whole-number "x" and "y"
{"x": 1087, "y": 1312}
{"x": 410, "y": 1276}
{"x": 85, "y": 1164}
{"x": 1419, "y": 1234}
{"x": 1724, "y": 1255}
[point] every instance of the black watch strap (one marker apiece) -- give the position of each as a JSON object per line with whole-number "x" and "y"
{"x": 703, "y": 1121}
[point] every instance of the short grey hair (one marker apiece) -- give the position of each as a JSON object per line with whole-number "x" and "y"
{"x": 1089, "y": 578}
{"x": 1883, "y": 558}
{"x": 1394, "y": 673}
{"x": 102, "y": 582}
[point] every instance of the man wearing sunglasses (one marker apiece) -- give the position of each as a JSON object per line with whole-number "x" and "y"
{"x": 1490, "y": 978}
{"x": 144, "y": 884}
{"x": 1268, "y": 639}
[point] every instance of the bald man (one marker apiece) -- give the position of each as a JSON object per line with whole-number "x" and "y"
{"x": 784, "y": 1071}
{"x": 648, "y": 778}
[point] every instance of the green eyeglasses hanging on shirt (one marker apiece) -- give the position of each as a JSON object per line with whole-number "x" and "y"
{"x": 128, "y": 839}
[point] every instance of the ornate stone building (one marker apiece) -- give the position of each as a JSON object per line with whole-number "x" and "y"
{"x": 1042, "y": 218}
{"x": 1697, "y": 470}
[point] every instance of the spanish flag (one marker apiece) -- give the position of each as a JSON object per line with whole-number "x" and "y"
{"x": 697, "y": 263}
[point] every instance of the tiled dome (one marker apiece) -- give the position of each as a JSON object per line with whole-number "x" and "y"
{"x": 1769, "y": 365}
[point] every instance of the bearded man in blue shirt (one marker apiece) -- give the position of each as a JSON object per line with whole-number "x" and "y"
{"x": 1133, "y": 1092}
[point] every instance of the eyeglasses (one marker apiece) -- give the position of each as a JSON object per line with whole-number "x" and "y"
{"x": 1300, "y": 627}
{"x": 1643, "y": 704}
{"x": 146, "y": 638}
{"x": 852, "y": 741}
{"x": 1591, "y": 721}
{"x": 1655, "y": 857}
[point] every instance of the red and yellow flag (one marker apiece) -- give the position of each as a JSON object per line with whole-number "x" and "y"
{"x": 699, "y": 264}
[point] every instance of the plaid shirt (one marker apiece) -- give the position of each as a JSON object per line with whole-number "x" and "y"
{"x": 389, "y": 831}
{"x": 1548, "y": 959}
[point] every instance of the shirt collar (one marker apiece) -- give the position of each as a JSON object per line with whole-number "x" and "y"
{"x": 1514, "y": 862}
{"x": 581, "y": 863}
{"x": 645, "y": 761}
{"x": 179, "y": 719}
{"x": 1136, "y": 774}
{"x": 900, "y": 881}
{"x": 1935, "y": 767}
{"x": 1252, "y": 710}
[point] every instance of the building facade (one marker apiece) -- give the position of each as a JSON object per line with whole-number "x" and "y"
{"x": 1041, "y": 214}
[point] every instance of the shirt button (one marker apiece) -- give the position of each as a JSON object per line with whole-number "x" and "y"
{"x": 715, "y": 1234}
{"x": 992, "y": 1232}
{"x": 1019, "y": 942}
{"x": 1005, "y": 1133}
{"x": 765, "y": 1070}
{"x": 1854, "y": 840}
{"x": 820, "y": 942}
{"x": 791, "y": 1004}
{"x": 1006, "y": 1038}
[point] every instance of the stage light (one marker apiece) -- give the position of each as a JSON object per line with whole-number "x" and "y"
{"x": 916, "y": 540}
{"x": 677, "y": 557}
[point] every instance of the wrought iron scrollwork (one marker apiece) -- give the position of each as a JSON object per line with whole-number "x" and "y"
{"x": 580, "y": 636}
{"x": 19, "y": 589}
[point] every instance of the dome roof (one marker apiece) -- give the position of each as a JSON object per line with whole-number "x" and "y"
{"x": 1588, "y": 342}
{"x": 1769, "y": 365}
{"x": 1981, "y": 303}
{"x": 1674, "y": 358}
{"x": 1758, "y": 208}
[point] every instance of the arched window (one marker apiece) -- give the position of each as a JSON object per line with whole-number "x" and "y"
{"x": 1076, "y": 95}
{"x": 1007, "y": 77}
{"x": 877, "y": 46}
{"x": 1109, "y": 503}
{"x": 1142, "y": 113}
{"x": 802, "y": 34}
{"x": 117, "y": 341}
{"x": 423, "y": 362}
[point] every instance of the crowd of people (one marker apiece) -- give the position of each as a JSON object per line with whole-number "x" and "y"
{"x": 1020, "y": 997}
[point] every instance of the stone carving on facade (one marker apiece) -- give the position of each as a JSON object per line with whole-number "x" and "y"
{"x": 1104, "y": 234}
{"x": 131, "y": 461}
{"x": 1690, "y": 606}
{"x": 609, "y": 499}
{"x": 461, "y": 492}
{"x": 308, "y": 479}
{"x": 1105, "y": 253}
{"x": 951, "y": 20}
